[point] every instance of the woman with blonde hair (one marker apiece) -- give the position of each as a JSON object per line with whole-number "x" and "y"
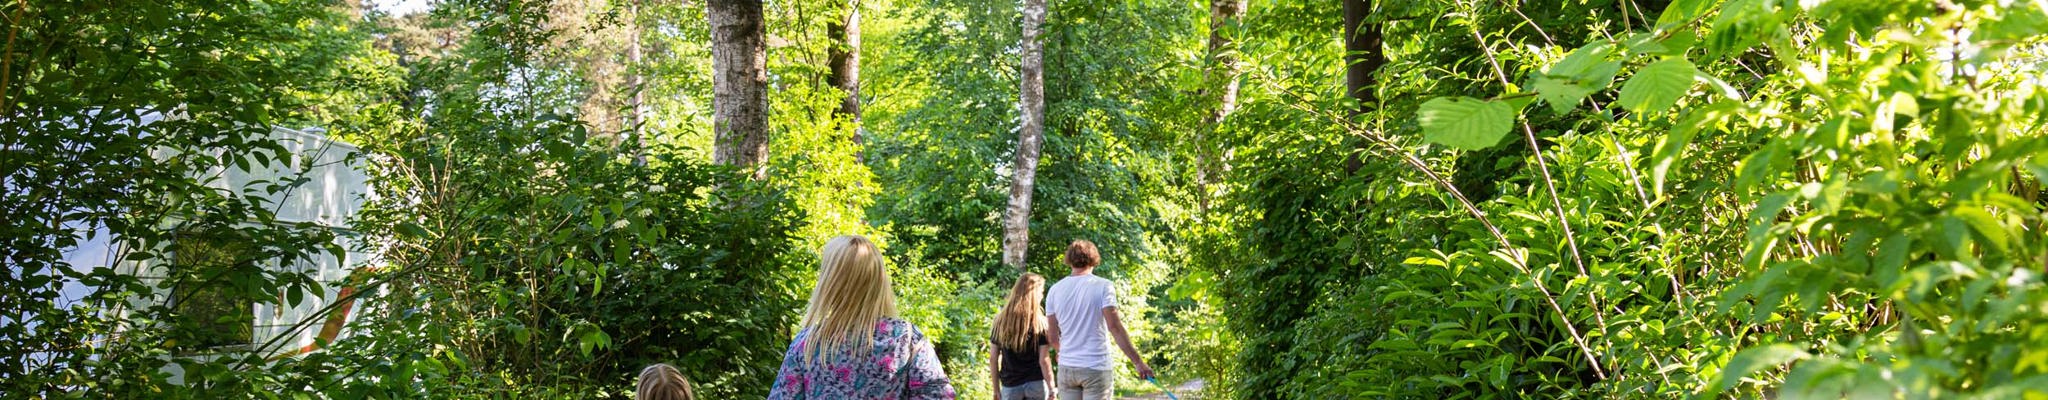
{"x": 1017, "y": 362}
{"x": 852, "y": 344}
{"x": 662, "y": 382}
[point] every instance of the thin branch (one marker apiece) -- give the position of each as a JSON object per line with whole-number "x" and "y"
{"x": 1549, "y": 183}
{"x": 1531, "y": 22}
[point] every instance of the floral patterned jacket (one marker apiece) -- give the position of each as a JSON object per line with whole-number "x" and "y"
{"x": 902, "y": 366}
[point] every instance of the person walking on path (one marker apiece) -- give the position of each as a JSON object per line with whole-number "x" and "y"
{"x": 1082, "y": 310}
{"x": 852, "y": 344}
{"x": 1017, "y": 362}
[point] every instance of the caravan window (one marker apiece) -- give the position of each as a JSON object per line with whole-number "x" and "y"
{"x": 205, "y": 292}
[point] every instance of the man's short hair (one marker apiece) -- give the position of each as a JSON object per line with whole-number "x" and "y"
{"x": 1082, "y": 254}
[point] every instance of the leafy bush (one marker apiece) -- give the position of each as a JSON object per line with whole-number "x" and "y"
{"x": 1776, "y": 198}
{"x": 119, "y": 119}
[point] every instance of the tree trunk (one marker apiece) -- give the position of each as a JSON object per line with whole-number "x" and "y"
{"x": 844, "y": 60}
{"x": 739, "y": 100}
{"x": 637, "y": 82}
{"x": 1031, "y": 101}
{"x": 1363, "y": 56}
{"x": 1210, "y": 158}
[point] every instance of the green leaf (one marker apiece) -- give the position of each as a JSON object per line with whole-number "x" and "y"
{"x": 1585, "y": 61}
{"x": 1681, "y": 12}
{"x": 1562, "y": 95}
{"x": 1891, "y": 259}
{"x": 1760, "y": 165}
{"x": 1585, "y": 70}
{"x": 1759, "y": 239}
{"x": 414, "y": 230}
{"x": 1717, "y": 85}
{"x": 1465, "y": 122}
{"x": 1751, "y": 360}
{"x": 1657, "y": 86}
{"x": 1987, "y": 227}
{"x": 1817, "y": 377}
{"x": 592, "y": 338}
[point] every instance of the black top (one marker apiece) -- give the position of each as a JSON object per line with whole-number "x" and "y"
{"x": 1020, "y": 367}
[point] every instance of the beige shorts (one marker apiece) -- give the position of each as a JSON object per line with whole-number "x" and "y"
{"x": 1085, "y": 384}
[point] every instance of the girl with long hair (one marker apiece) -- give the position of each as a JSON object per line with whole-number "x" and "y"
{"x": 852, "y": 344}
{"x": 1017, "y": 362}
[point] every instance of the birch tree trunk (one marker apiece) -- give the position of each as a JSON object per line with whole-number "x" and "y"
{"x": 739, "y": 100}
{"x": 844, "y": 60}
{"x": 1211, "y": 159}
{"x": 1031, "y": 102}
{"x": 637, "y": 82}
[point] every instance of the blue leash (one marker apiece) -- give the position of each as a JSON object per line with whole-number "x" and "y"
{"x": 1162, "y": 388}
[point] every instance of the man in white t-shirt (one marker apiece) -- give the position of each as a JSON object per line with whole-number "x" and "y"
{"x": 1082, "y": 310}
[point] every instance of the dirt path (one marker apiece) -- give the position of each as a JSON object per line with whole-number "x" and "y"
{"x": 1186, "y": 391}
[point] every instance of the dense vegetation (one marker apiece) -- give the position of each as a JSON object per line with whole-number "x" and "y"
{"x": 1360, "y": 199}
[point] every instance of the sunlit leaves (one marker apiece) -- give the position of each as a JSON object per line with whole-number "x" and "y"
{"x": 1671, "y": 147}
{"x": 1742, "y": 24}
{"x": 1657, "y": 86}
{"x": 1752, "y": 360}
{"x": 1681, "y": 12}
{"x": 1465, "y": 122}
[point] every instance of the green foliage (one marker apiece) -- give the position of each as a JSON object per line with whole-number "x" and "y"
{"x": 1742, "y": 198}
{"x": 523, "y": 242}
{"x": 120, "y": 119}
{"x": 1881, "y": 194}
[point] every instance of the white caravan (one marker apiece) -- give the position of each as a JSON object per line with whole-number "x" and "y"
{"x": 333, "y": 191}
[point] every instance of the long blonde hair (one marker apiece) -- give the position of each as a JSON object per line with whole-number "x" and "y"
{"x": 1023, "y": 317}
{"x": 662, "y": 382}
{"x": 853, "y": 293}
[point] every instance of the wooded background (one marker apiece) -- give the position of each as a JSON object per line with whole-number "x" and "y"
{"x": 1300, "y": 199}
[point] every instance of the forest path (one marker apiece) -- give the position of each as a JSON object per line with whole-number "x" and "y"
{"x": 1186, "y": 390}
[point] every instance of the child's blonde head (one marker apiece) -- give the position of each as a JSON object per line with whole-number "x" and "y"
{"x": 662, "y": 382}
{"x": 852, "y": 295}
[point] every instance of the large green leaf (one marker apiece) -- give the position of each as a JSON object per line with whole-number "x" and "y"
{"x": 1657, "y": 86}
{"x": 1561, "y": 94}
{"x": 1580, "y": 73}
{"x": 1465, "y": 122}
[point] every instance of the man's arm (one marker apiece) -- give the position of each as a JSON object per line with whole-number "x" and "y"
{"x": 1123, "y": 340}
{"x": 1053, "y": 334}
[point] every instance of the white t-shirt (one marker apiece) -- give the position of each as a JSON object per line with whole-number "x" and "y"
{"x": 1076, "y": 302}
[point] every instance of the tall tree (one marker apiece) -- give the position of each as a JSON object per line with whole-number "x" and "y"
{"x": 1031, "y": 102}
{"x": 844, "y": 60}
{"x": 739, "y": 88}
{"x": 1223, "y": 68}
{"x": 1364, "y": 53}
